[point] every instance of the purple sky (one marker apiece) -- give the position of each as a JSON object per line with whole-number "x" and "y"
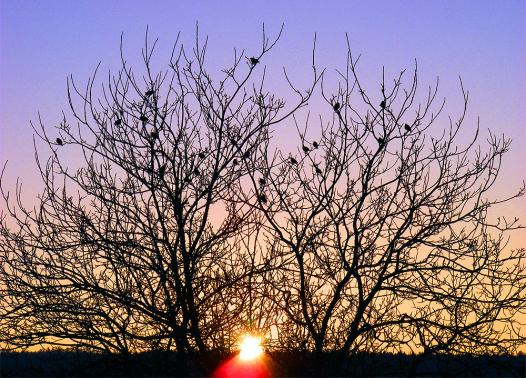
{"x": 41, "y": 42}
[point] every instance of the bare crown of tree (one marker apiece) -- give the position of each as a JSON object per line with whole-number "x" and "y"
{"x": 168, "y": 219}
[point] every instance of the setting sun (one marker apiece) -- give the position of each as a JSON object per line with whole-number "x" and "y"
{"x": 250, "y": 348}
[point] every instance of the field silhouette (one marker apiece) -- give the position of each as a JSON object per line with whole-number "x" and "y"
{"x": 170, "y": 364}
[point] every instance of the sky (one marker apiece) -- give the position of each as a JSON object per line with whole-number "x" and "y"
{"x": 484, "y": 42}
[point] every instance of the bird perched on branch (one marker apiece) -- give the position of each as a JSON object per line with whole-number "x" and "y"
{"x": 154, "y": 134}
{"x": 336, "y": 106}
{"x": 84, "y": 238}
{"x": 305, "y": 149}
{"x": 254, "y": 61}
{"x": 381, "y": 141}
{"x": 117, "y": 122}
{"x": 382, "y": 104}
{"x": 262, "y": 198}
{"x": 315, "y": 144}
{"x": 149, "y": 92}
{"x": 293, "y": 161}
{"x": 317, "y": 169}
{"x": 59, "y": 141}
{"x": 143, "y": 118}
{"x": 407, "y": 128}
{"x": 201, "y": 155}
{"x": 262, "y": 181}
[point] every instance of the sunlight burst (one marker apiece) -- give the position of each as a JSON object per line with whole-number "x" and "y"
{"x": 250, "y": 348}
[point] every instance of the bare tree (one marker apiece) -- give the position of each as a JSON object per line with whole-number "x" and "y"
{"x": 181, "y": 228}
{"x": 383, "y": 232}
{"x": 144, "y": 245}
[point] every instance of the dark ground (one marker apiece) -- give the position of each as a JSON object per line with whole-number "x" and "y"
{"x": 165, "y": 364}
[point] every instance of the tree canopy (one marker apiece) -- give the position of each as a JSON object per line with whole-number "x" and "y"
{"x": 185, "y": 226}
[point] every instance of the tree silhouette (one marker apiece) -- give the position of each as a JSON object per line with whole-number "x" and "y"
{"x": 383, "y": 236}
{"x": 145, "y": 245}
{"x": 180, "y": 227}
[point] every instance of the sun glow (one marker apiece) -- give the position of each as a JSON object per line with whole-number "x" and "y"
{"x": 250, "y": 348}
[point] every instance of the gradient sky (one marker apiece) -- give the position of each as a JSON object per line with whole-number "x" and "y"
{"x": 41, "y": 42}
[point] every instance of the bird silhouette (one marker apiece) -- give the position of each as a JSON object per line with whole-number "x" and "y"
{"x": 407, "y": 127}
{"x": 336, "y": 106}
{"x": 381, "y": 141}
{"x": 262, "y": 181}
{"x": 196, "y": 172}
{"x": 149, "y": 92}
{"x": 187, "y": 179}
{"x": 143, "y": 118}
{"x": 315, "y": 144}
{"x": 382, "y": 104}
{"x": 262, "y": 198}
{"x": 201, "y": 155}
{"x": 162, "y": 170}
{"x": 117, "y": 122}
{"x": 234, "y": 162}
{"x": 154, "y": 134}
{"x": 317, "y": 169}
{"x": 83, "y": 234}
{"x": 293, "y": 161}
{"x": 254, "y": 61}
{"x": 246, "y": 155}
{"x": 59, "y": 141}
{"x": 305, "y": 149}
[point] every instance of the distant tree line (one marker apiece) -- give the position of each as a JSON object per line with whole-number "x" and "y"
{"x": 169, "y": 219}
